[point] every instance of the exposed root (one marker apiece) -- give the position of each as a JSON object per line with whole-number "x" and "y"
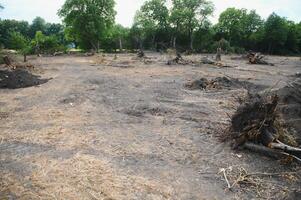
{"x": 179, "y": 60}
{"x": 258, "y": 121}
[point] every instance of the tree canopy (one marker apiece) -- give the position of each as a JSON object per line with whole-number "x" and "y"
{"x": 184, "y": 25}
{"x": 187, "y": 15}
{"x": 88, "y": 21}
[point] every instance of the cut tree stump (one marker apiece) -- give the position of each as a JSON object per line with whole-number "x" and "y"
{"x": 7, "y": 61}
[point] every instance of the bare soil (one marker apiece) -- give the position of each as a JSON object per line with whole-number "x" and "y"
{"x": 107, "y": 127}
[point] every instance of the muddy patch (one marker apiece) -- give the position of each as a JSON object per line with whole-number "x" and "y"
{"x": 19, "y": 79}
{"x": 122, "y": 64}
{"x": 4, "y": 115}
{"x": 222, "y": 83}
{"x": 144, "y": 110}
{"x": 73, "y": 98}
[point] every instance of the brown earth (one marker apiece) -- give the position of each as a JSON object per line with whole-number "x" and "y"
{"x": 107, "y": 127}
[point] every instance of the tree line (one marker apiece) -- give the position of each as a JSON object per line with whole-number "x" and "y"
{"x": 184, "y": 25}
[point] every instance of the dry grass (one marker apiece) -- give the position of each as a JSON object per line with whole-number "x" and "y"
{"x": 81, "y": 177}
{"x": 240, "y": 180}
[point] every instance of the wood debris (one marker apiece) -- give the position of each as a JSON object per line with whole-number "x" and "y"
{"x": 258, "y": 58}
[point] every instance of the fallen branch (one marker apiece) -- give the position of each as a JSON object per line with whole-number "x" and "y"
{"x": 223, "y": 170}
{"x": 179, "y": 60}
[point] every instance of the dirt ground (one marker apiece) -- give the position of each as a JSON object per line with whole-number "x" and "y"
{"x": 115, "y": 127}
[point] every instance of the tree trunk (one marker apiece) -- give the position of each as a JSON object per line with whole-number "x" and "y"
{"x": 153, "y": 41}
{"x": 191, "y": 40}
{"x": 270, "y": 48}
{"x": 120, "y": 45}
{"x": 98, "y": 46}
{"x": 174, "y": 42}
{"x": 140, "y": 44}
{"x": 25, "y": 57}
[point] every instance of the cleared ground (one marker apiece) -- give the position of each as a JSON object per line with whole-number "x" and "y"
{"x": 107, "y": 127}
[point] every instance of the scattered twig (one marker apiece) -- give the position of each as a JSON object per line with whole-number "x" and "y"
{"x": 223, "y": 170}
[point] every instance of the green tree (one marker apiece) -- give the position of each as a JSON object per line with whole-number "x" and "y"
{"x": 17, "y": 41}
{"x": 276, "y": 32}
{"x": 204, "y": 38}
{"x": 138, "y": 31}
{"x": 237, "y": 26}
{"x": 8, "y": 26}
{"x": 119, "y": 34}
{"x": 152, "y": 18}
{"x": 298, "y": 28}
{"x": 46, "y": 44}
{"x": 53, "y": 29}
{"x": 188, "y": 15}
{"x": 291, "y": 44}
{"x": 88, "y": 20}
{"x": 21, "y": 44}
{"x": 38, "y": 24}
{"x": 56, "y": 30}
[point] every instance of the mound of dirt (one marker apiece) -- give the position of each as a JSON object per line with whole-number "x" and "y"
{"x": 290, "y": 107}
{"x": 221, "y": 83}
{"x": 19, "y": 78}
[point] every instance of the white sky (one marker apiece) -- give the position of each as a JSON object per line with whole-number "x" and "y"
{"x": 29, "y": 9}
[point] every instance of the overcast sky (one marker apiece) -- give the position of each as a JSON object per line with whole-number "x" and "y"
{"x": 29, "y": 9}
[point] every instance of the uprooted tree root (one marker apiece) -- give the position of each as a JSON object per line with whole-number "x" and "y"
{"x": 258, "y": 121}
{"x": 258, "y": 58}
{"x": 179, "y": 60}
{"x": 208, "y": 61}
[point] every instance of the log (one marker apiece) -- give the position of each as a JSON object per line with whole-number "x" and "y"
{"x": 286, "y": 148}
{"x": 272, "y": 153}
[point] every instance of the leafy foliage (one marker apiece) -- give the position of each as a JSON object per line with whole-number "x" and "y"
{"x": 88, "y": 21}
{"x": 17, "y": 41}
{"x": 184, "y": 25}
{"x": 187, "y": 15}
{"x": 276, "y": 29}
{"x": 45, "y": 44}
{"x": 38, "y": 24}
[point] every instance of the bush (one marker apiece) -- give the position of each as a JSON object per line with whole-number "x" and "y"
{"x": 46, "y": 44}
{"x": 239, "y": 50}
{"x": 224, "y": 44}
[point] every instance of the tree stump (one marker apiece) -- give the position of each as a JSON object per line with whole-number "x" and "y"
{"x": 218, "y": 55}
{"x": 141, "y": 53}
{"x": 7, "y": 60}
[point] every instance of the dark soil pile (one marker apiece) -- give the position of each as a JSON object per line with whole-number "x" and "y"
{"x": 19, "y": 78}
{"x": 222, "y": 83}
